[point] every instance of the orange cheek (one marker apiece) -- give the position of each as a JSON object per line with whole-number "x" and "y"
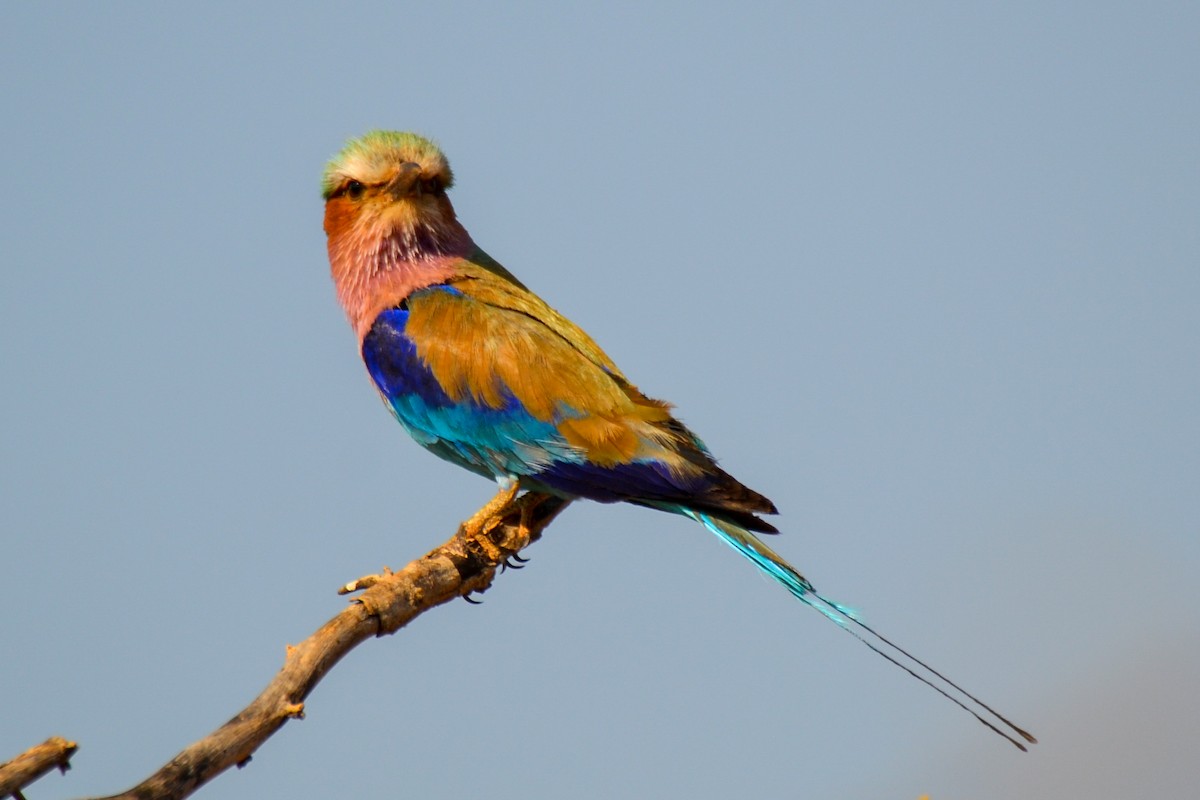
{"x": 339, "y": 216}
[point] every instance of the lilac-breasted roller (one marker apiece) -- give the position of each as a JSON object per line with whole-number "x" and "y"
{"x": 482, "y": 372}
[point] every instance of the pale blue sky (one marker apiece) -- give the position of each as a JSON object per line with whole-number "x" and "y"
{"x": 926, "y": 275}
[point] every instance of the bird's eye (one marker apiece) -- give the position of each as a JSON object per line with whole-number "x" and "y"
{"x": 354, "y": 189}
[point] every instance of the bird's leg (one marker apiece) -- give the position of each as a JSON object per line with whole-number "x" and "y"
{"x": 483, "y": 521}
{"x": 528, "y": 504}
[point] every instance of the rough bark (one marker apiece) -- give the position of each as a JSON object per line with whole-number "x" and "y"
{"x": 35, "y": 762}
{"x": 465, "y": 564}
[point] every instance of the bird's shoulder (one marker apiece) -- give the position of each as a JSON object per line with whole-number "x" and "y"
{"x": 483, "y": 280}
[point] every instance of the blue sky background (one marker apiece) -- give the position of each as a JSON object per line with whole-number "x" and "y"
{"x": 926, "y": 275}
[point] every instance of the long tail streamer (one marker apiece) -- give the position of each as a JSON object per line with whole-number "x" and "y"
{"x": 846, "y": 618}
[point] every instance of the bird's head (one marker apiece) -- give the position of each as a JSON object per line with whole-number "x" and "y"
{"x": 390, "y": 226}
{"x": 391, "y": 186}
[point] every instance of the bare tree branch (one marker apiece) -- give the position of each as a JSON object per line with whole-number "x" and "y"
{"x": 35, "y": 762}
{"x": 466, "y": 563}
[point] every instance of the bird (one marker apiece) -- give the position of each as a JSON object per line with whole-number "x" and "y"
{"x": 482, "y": 372}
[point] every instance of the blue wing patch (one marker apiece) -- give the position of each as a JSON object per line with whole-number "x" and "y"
{"x": 492, "y": 442}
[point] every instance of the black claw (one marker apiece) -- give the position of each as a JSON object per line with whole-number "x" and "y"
{"x": 516, "y": 557}
{"x": 467, "y": 597}
{"x": 507, "y": 565}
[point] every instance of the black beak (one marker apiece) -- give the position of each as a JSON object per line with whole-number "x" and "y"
{"x": 407, "y": 178}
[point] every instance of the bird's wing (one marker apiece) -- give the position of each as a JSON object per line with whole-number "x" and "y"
{"x": 484, "y": 373}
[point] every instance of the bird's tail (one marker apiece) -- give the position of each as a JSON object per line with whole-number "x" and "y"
{"x": 848, "y": 620}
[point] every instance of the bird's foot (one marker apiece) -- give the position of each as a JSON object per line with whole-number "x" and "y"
{"x": 528, "y": 504}
{"x": 488, "y": 518}
{"x": 513, "y": 561}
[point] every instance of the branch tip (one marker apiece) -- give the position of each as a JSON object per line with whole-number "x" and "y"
{"x": 35, "y": 762}
{"x": 294, "y": 710}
